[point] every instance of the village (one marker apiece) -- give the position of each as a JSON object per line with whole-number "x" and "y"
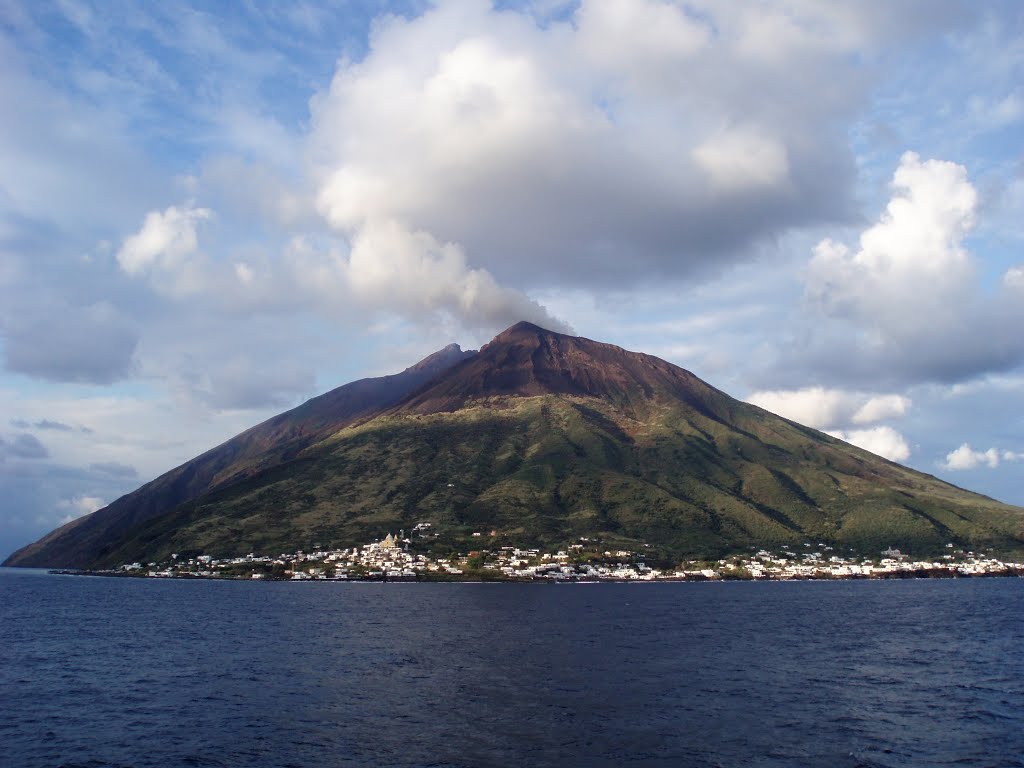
{"x": 391, "y": 559}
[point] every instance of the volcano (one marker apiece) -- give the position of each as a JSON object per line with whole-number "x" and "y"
{"x": 538, "y": 439}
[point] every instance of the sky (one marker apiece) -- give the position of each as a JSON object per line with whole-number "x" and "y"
{"x": 210, "y": 212}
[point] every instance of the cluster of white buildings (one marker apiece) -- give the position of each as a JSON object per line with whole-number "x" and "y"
{"x": 820, "y": 564}
{"x": 391, "y": 560}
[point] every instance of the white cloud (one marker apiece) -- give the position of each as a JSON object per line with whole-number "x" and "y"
{"x": 166, "y": 240}
{"x": 1014, "y": 278}
{"x": 906, "y": 304}
{"x": 965, "y": 457}
{"x": 881, "y": 408}
{"x": 823, "y": 408}
{"x": 814, "y": 406}
{"x": 883, "y": 441}
{"x": 78, "y": 506}
{"x": 582, "y": 152}
{"x": 912, "y": 263}
{"x": 412, "y": 273}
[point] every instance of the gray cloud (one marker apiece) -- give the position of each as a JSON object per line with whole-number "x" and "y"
{"x": 23, "y": 446}
{"x": 244, "y": 383}
{"x": 94, "y": 343}
{"x": 42, "y": 424}
{"x": 114, "y": 469}
{"x": 215, "y": 360}
{"x": 59, "y": 426}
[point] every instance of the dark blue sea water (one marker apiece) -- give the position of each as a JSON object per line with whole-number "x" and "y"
{"x": 125, "y": 672}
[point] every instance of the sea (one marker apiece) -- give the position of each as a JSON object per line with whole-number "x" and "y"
{"x": 145, "y": 672}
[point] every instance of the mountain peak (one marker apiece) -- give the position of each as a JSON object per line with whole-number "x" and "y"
{"x": 523, "y": 327}
{"x": 441, "y": 360}
{"x": 526, "y": 360}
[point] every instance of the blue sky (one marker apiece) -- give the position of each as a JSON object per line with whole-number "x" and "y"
{"x": 210, "y": 212}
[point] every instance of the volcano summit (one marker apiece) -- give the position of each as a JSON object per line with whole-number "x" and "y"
{"x": 538, "y": 438}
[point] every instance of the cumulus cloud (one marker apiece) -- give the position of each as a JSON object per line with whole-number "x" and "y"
{"x": 636, "y": 37}
{"x": 906, "y": 303}
{"x": 517, "y": 151}
{"x": 965, "y": 457}
{"x": 166, "y": 239}
{"x": 166, "y": 250}
{"x": 912, "y": 262}
{"x": 822, "y": 408}
{"x": 881, "y": 408}
{"x": 882, "y": 441}
{"x": 830, "y": 409}
{"x": 569, "y": 151}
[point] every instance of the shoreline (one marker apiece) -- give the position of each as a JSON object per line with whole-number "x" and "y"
{"x": 938, "y": 574}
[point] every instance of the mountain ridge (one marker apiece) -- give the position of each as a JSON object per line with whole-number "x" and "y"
{"x": 272, "y": 441}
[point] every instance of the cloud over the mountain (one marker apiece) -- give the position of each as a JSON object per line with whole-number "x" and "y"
{"x": 572, "y": 151}
{"x": 413, "y": 274}
{"x": 836, "y": 411}
{"x": 881, "y": 441}
{"x": 516, "y": 153}
{"x": 822, "y": 408}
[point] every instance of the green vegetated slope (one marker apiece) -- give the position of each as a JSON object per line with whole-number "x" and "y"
{"x": 549, "y": 469}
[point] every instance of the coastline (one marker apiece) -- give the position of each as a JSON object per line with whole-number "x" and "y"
{"x": 1009, "y": 572}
